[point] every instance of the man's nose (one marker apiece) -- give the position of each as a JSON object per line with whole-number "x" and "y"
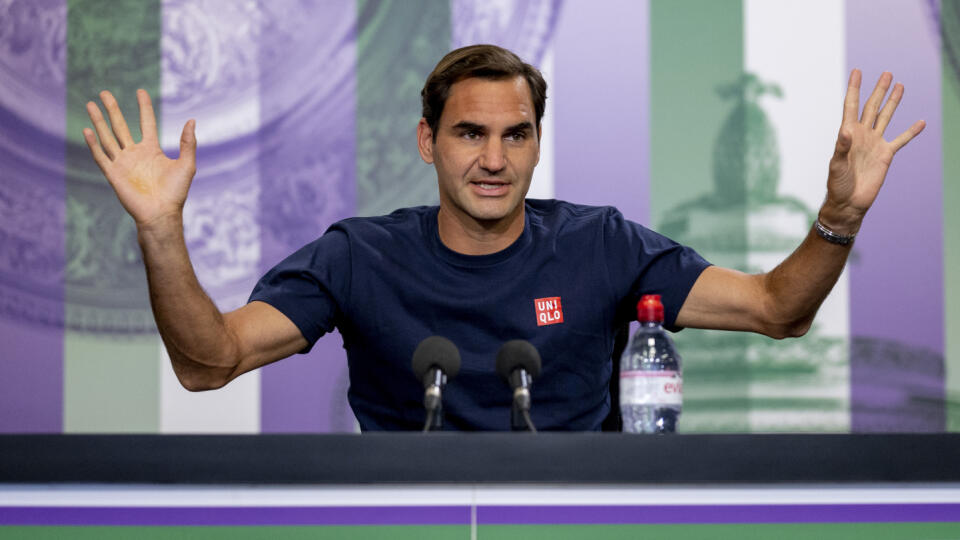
{"x": 492, "y": 159}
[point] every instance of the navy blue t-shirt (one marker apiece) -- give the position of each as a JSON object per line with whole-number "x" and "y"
{"x": 566, "y": 285}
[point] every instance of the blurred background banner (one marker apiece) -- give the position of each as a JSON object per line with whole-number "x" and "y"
{"x": 710, "y": 121}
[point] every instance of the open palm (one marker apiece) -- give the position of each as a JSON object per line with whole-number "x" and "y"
{"x": 150, "y": 185}
{"x": 862, "y": 156}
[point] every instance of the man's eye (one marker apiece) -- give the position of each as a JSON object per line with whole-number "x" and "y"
{"x": 471, "y": 135}
{"x": 519, "y": 136}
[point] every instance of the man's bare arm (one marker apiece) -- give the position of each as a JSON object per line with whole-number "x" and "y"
{"x": 784, "y": 301}
{"x": 780, "y": 303}
{"x": 207, "y": 348}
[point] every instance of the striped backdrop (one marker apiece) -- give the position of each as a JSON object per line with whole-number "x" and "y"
{"x": 711, "y": 121}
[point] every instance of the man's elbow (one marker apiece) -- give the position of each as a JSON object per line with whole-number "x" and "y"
{"x": 197, "y": 378}
{"x": 779, "y": 321}
{"x": 200, "y": 384}
{"x": 792, "y": 329}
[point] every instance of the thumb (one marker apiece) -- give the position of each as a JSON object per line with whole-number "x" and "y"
{"x": 844, "y": 141}
{"x": 188, "y": 141}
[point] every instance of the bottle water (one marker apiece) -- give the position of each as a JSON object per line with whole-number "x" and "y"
{"x": 651, "y": 383}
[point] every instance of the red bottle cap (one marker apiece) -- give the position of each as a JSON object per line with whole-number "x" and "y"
{"x": 649, "y": 309}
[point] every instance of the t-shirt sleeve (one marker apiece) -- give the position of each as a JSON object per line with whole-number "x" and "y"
{"x": 641, "y": 261}
{"x": 310, "y": 285}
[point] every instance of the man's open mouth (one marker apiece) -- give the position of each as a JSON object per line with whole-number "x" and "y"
{"x": 490, "y": 185}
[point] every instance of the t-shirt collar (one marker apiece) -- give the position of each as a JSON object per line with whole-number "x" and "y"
{"x": 474, "y": 261}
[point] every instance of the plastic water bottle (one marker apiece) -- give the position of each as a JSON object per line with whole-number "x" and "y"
{"x": 651, "y": 383}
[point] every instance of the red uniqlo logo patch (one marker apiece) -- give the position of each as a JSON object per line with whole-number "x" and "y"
{"x": 549, "y": 310}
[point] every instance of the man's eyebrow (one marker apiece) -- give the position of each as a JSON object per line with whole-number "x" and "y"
{"x": 464, "y": 125}
{"x": 522, "y": 126}
{"x": 471, "y": 126}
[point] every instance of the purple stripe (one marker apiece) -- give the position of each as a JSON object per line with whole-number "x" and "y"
{"x": 235, "y": 515}
{"x": 898, "y": 340}
{"x": 717, "y": 514}
{"x": 32, "y": 218}
{"x": 603, "y": 153}
{"x": 31, "y": 378}
{"x": 486, "y": 515}
{"x": 307, "y": 62}
{"x": 307, "y": 393}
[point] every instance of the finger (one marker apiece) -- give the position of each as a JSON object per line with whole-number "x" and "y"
{"x": 872, "y": 105}
{"x": 98, "y": 155}
{"x": 120, "y": 128}
{"x": 148, "y": 121}
{"x": 889, "y": 107}
{"x": 188, "y": 142}
{"x": 851, "y": 102}
{"x": 908, "y": 135}
{"x": 107, "y": 139}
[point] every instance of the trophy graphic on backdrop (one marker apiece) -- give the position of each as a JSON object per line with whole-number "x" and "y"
{"x": 734, "y": 381}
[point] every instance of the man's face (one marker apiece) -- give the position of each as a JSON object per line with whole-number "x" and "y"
{"x": 486, "y": 148}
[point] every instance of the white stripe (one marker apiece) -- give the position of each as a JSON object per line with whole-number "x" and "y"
{"x": 220, "y": 216}
{"x": 542, "y": 185}
{"x": 234, "y": 408}
{"x": 800, "y": 46}
{"x": 473, "y": 495}
{"x": 708, "y": 495}
{"x": 252, "y": 496}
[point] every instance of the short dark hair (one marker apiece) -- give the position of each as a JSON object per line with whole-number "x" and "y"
{"x": 482, "y": 61}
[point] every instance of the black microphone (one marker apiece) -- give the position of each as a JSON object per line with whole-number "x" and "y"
{"x": 435, "y": 360}
{"x": 518, "y": 362}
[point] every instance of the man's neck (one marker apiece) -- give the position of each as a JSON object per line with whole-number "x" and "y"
{"x": 465, "y": 235}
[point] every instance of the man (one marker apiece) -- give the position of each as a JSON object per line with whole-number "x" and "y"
{"x": 478, "y": 267}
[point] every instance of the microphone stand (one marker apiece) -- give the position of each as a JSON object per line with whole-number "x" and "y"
{"x": 520, "y": 412}
{"x": 434, "y": 420}
{"x": 432, "y": 401}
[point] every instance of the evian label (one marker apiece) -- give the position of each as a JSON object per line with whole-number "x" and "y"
{"x": 651, "y": 388}
{"x": 549, "y": 310}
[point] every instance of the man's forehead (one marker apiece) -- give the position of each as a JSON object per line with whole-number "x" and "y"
{"x": 475, "y": 99}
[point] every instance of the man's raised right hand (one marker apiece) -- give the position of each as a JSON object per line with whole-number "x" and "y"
{"x": 207, "y": 348}
{"x": 150, "y": 186}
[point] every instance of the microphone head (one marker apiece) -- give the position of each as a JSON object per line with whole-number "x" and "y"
{"x": 436, "y": 351}
{"x": 518, "y": 353}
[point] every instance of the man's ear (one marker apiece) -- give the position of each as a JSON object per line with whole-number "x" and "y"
{"x": 425, "y": 141}
{"x": 539, "y": 141}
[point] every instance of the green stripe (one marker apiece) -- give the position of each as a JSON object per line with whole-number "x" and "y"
{"x": 399, "y": 532}
{"x": 697, "y": 47}
{"x": 399, "y": 43}
{"x": 112, "y": 384}
{"x": 787, "y": 404}
{"x": 111, "y": 372}
{"x": 950, "y": 15}
{"x": 789, "y": 531}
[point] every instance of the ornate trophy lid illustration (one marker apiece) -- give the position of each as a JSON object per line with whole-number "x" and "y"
{"x": 744, "y": 211}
